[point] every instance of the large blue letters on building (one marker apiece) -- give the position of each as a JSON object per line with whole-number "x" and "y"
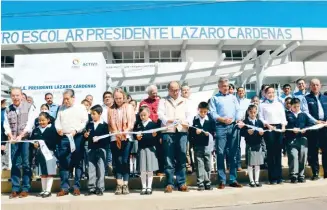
{"x": 144, "y": 33}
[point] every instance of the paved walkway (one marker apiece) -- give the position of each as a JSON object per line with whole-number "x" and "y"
{"x": 177, "y": 200}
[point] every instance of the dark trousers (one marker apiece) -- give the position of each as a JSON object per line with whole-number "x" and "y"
{"x": 20, "y": 158}
{"x": 175, "y": 146}
{"x": 274, "y": 154}
{"x": 68, "y": 160}
{"x": 160, "y": 157}
{"x": 121, "y": 159}
{"x": 96, "y": 162}
{"x": 317, "y": 139}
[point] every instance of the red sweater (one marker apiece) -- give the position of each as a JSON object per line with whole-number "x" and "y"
{"x": 153, "y": 106}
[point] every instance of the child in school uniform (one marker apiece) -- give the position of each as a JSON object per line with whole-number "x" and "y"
{"x": 134, "y": 151}
{"x": 48, "y": 133}
{"x": 96, "y": 151}
{"x": 200, "y": 138}
{"x": 254, "y": 141}
{"x": 147, "y": 161}
{"x": 296, "y": 141}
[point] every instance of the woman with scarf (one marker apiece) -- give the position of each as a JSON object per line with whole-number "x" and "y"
{"x": 121, "y": 118}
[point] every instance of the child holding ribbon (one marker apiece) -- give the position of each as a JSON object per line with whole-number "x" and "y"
{"x": 203, "y": 124}
{"x": 45, "y": 156}
{"x": 147, "y": 161}
{"x": 254, "y": 141}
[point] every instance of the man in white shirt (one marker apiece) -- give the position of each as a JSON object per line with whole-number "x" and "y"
{"x": 174, "y": 109}
{"x": 21, "y": 121}
{"x": 70, "y": 123}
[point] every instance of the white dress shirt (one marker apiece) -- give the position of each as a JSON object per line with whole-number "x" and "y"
{"x": 6, "y": 125}
{"x": 104, "y": 115}
{"x": 97, "y": 123}
{"x": 272, "y": 113}
{"x": 145, "y": 123}
{"x": 72, "y": 118}
{"x": 202, "y": 119}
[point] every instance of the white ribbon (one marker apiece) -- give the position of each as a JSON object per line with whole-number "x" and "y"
{"x": 71, "y": 142}
{"x": 44, "y": 149}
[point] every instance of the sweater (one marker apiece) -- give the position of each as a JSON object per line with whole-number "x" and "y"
{"x": 147, "y": 139}
{"x": 201, "y": 139}
{"x": 101, "y": 129}
{"x": 255, "y": 140}
{"x": 301, "y": 121}
{"x": 49, "y": 136}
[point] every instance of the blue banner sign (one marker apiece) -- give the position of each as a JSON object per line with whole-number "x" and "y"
{"x": 148, "y": 33}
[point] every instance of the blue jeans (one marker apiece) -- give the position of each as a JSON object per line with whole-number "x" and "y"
{"x": 226, "y": 135}
{"x": 121, "y": 159}
{"x": 69, "y": 160}
{"x": 108, "y": 159}
{"x": 20, "y": 156}
{"x": 175, "y": 145}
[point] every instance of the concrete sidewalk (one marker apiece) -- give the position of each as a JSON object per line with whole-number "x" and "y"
{"x": 176, "y": 200}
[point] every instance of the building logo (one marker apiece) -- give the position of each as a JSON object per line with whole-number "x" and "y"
{"x": 77, "y": 64}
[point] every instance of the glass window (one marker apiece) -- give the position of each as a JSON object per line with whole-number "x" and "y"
{"x": 117, "y": 55}
{"x": 165, "y": 60}
{"x": 154, "y": 60}
{"x": 228, "y": 53}
{"x": 142, "y": 88}
{"x": 164, "y": 54}
{"x": 154, "y": 54}
{"x": 137, "y": 88}
{"x": 128, "y": 55}
{"x": 248, "y": 86}
{"x": 175, "y": 54}
{"x": 131, "y": 89}
{"x": 237, "y": 54}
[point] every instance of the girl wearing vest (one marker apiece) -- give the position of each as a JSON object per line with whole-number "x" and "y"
{"x": 148, "y": 162}
{"x": 254, "y": 146}
{"x": 272, "y": 114}
{"x": 48, "y": 133}
{"x": 121, "y": 118}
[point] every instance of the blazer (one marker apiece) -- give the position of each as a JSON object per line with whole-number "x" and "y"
{"x": 208, "y": 126}
{"x": 147, "y": 139}
{"x": 255, "y": 140}
{"x": 101, "y": 129}
{"x": 301, "y": 121}
{"x": 49, "y": 135}
{"x": 312, "y": 104}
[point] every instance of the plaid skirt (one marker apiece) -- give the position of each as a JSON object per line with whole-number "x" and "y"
{"x": 147, "y": 160}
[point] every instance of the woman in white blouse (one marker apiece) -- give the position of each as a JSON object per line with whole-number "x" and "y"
{"x": 272, "y": 114}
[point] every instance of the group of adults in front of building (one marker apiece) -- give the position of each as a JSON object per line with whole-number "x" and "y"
{"x": 177, "y": 112}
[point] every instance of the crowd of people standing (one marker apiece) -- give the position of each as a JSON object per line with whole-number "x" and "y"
{"x": 192, "y": 133}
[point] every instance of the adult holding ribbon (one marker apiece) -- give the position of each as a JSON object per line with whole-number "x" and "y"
{"x": 175, "y": 109}
{"x": 225, "y": 110}
{"x": 121, "y": 118}
{"x": 21, "y": 121}
{"x": 272, "y": 114}
{"x": 315, "y": 106}
{"x": 71, "y": 120}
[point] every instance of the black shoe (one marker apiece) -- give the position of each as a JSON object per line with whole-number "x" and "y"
{"x": 258, "y": 184}
{"x": 252, "y": 184}
{"x": 90, "y": 192}
{"x": 46, "y": 194}
{"x": 301, "y": 180}
{"x": 143, "y": 192}
{"x": 293, "y": 180}
{"x": 99, "y": 192}
{"x": 315, "y": 178}
{"x": 149, "y": 191}
{"x": 201, "y": 188}
{"x": 40, "y": 194}
{"x": 208, "y": 187}
{"x": 273, "y": 183}
{"x": 280, "y": 181}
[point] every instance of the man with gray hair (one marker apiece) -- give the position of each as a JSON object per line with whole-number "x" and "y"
{"x": 21, "y": 121}
{"x": 70, "y": 123}
{"x": 225, "y": 109}
{"x": 315, "y": 106}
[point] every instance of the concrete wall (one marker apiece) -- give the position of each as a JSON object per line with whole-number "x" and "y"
{"x": 202, "y": 55}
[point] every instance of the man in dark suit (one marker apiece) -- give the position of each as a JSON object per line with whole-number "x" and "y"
{"x": 315, "y": 106}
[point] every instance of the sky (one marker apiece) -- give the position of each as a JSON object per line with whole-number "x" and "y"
{"x": 67, "y": 14}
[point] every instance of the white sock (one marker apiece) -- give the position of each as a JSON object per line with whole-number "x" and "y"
{"x": 257, "y": 173}
{"x": 150, "y": 179}
{"x": 250, "y": 172}
{"x": 49, "y": 184}
{"x": 131, "y": 165}
{"x": 126, "y": 183}
{"x": 43, "y": 183}
{"x": 143, "y": 179}
{"x": 134, "y": 164}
